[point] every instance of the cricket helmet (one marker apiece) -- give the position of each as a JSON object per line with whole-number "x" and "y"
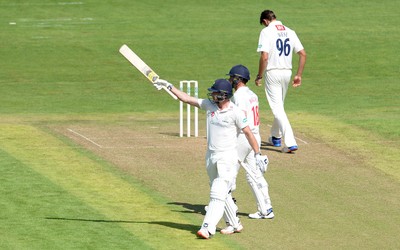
{"x": 240, "y": 71}
{"x": 223, "y": 87}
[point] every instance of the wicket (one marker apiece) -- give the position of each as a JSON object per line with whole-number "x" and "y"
{"x": 196, "y": 115}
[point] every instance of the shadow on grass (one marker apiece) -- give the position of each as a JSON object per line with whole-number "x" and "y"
{"x": 170, "y": 134}
{"x": 268, "y": 146}
{"x": 180, "y": 226}
{"x": 191, "y": 208}
{"x": 178, "y": 135}
{"x": 196, "y": 208}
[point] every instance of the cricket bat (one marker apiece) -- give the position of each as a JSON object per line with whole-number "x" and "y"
{"x": 142, "y": 66}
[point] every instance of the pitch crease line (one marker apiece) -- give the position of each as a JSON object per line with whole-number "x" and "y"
{"x": 84, "y": 137}
{"x": 303, "y": 141}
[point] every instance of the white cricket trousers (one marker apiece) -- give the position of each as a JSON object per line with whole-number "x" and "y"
{"x": 222, "y": 173}
{"x": 245, "y": 154}
{"x": 276, "y": 86}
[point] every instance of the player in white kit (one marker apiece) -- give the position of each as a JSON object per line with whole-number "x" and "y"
{"x": 276, "y": 46}
{"x": 225, "y": 120}
{"x": 247, "y": 101}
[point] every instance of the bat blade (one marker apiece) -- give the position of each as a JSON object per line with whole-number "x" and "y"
{"x": 140, "y": 65}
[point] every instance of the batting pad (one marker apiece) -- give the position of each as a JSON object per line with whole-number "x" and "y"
{"x": 260, "y": 192}
{"x": 230, "y": 212}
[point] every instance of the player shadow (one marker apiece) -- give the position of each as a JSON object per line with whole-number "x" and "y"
{"x": 169, "y": 134}
{"x": 191, "y": 208}
{"x": 196, "y": 209}
{"x": 177, "y": 135}
{"x": 269, "y": 147}
{"x": 180, "y": 226}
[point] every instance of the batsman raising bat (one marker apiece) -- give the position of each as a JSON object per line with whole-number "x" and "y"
{"x": 224, "y": 120}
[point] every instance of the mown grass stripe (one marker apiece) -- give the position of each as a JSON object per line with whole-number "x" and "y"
{"x": 372, "y": 149}
{"x": 37, "y": 214}
{"x": 115, "y": 198}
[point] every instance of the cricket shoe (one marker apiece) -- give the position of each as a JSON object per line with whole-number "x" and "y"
{"x": 204, "y": 234}
{"x": 258, "y": 215}
{"x": 231, "y": 230}
{"x": 276, "y": 142}
{"x": 289, "y": 149}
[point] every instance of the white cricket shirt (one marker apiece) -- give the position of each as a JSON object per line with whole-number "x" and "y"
{"x": 247, "y": 101}
{"x": 223, "y": 125}
{"x": 279, "y": 42}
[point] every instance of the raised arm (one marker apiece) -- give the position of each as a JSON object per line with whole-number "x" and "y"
{"x": 180, "y": 94}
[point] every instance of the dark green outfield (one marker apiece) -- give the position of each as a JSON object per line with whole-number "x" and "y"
{"x": 39, "y": 214}
{"x": 61, "y": 57}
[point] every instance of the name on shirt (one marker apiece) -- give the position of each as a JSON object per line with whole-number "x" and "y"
{"x": 253, "y": 100}
{"x": 282, "y": 34}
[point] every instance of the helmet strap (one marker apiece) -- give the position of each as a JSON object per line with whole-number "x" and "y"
{"x": 236, "y": 80}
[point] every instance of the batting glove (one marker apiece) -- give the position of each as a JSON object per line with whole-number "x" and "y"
{"x": 162, "y": 84}
{"x": 158, "y": 87}
{"x": 262, "y": 162}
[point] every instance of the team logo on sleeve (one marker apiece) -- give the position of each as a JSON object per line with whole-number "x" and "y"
{"x": 245, "y": 120}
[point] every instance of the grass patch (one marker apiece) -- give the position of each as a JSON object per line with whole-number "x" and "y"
{"x": 39, "y": 214}
{"x": 125, "y": 205}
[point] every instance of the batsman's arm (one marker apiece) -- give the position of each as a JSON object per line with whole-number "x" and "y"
{"x": 261, "y": 160}
{"x": 252, "y": 140}
{"x": 182, "y": 96}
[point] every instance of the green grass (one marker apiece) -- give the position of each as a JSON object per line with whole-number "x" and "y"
{"x": 105, "y": 197}
{"x": 60, "y": 65}
{"x": 38, "y": 214}
{"x": 63, "y": 58}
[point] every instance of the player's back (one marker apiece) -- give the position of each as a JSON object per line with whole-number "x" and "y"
{"x": 279, "y": 41}
{"x": 247, "y": 101}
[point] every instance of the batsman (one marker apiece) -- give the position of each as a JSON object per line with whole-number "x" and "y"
{"x": 247, "y": 101}
{"x": 225, "y": 120}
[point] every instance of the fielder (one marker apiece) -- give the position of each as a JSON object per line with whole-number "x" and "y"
{"x": 276, "y": 46}
{"x": 247, "y": 101}
{"x": 224, "y": 120}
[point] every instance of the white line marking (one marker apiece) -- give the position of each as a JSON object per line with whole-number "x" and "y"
{"x": 84, "y": 137}
{"x": 303, "y": 141}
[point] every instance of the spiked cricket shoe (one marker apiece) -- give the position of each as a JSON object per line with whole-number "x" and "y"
{"x": 276, "y": 142}
{"x": 289, "y": 149}
{"x": 258, "y": 215}
{"x": 203, "y": 233}
{"x": 231, "y": 230}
